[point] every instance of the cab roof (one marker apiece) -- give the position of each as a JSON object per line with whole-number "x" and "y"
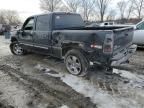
{"x": 51, "y": 13}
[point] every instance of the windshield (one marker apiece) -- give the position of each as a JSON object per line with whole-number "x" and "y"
{"x": 68, "y": 21}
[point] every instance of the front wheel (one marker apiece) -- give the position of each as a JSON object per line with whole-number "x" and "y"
{"x": 76, "y": 63}
{"x": 16, "y": 49}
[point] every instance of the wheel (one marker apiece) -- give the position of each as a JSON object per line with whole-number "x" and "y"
{"x": 76, "y": 63}
{"x": 16, "y": 49}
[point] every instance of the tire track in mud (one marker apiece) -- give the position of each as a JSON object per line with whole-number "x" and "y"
{"x": 3, "y": 103}
{"x": 109, "y": 83}
{"x": 105, "y": 83}
{"x": 5, "y": 106}
{"x": 70, "y": 98}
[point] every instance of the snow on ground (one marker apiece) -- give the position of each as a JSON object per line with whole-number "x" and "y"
{"x": 98, "y": 96}
{"x": 102, "y": 98}
{"x": 64, "y": 106}
{"x": 135, "y": 79}
{"x": 12, "y": 92}
{"x": 4, "y": 44}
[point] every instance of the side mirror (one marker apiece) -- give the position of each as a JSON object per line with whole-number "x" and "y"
{"x": 21, "y": 31}
{"x": 137, "y": 28}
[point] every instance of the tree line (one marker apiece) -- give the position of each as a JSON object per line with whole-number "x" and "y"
{"x": 9, "y": 17}
{"x": 90, "y": 10}
{"x": 99, "y": 10}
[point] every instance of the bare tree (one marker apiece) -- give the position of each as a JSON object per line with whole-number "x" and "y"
{"x": 2, "y": 17}
{"x": 129, "y": 9}
{"x": 138, "y": 6}
{"x": 111, "y": 15}
{"x": 122, "y": 8}
{"x": 12, "y": 17}
{"x": 9, "y": 17}
{"x": 73, "y": 5}
{"x": 88, "y": 7}
{"x": 102, "y": 6}
{"x": 50, "y": 5}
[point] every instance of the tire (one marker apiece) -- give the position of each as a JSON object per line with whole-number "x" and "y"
{"x": 76, "y": 63}
{"x": 16, "y": 49}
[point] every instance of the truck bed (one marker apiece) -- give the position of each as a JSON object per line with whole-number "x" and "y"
{"x": 123, "y": 36}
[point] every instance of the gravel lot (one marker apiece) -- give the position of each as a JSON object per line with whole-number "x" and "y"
{"x": 37, "y": 81}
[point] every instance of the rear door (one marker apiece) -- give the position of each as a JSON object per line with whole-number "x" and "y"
{"x": 42, "y": 34}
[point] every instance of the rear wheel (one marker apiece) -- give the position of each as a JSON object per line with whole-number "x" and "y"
{"x": 76, "y": 63}
{"x": 16, "y": 49}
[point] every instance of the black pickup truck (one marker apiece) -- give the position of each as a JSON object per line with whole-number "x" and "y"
{"x": 65, "y": 36}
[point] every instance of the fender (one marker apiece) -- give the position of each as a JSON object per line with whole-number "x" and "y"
{"x": 13, "y": 39}
{"x": 68, "y": 45}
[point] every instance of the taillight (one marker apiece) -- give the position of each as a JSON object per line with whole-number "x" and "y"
{"x": 108, "y": 44}
{"x": 96, "y": 46}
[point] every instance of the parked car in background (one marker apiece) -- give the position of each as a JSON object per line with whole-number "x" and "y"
{"x": 1, "y": 31}
{"x": 139, "y": 34}
{"x": 93, "y": 25}
{"x": 64, "y": 35}
{"x": 107, "y": 24}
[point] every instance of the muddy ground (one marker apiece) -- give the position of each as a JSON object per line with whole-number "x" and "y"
{"x": 37, "y": 81}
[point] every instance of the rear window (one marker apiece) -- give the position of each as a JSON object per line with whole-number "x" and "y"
{"x": 68, "y": 21}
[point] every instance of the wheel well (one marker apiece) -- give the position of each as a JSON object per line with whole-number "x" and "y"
{"x": 65, "y": 50}
{"x": 68, "y": 48}
{"x": 13, "y": 39}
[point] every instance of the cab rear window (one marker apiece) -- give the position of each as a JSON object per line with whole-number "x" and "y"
{"x": 67, "y": 21}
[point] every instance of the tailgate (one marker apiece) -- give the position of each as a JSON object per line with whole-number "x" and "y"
{"x": 122, "y": 38}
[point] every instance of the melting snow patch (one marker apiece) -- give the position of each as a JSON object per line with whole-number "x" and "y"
{"x": 39, "y": 67}
{"x": 99, "y": 97}
{"x": 54, "y": 75}
{"x": 137, "y": 81}
{"x": 102, "y": 98}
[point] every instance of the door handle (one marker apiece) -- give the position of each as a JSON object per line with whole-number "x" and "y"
{"x": 57, "y": 33}
{"x": 55, "y": 41}
{"x": 126, "y": 34}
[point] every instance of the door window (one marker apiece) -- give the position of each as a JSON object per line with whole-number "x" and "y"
{"x": 42, "y": 23}
{"x": 140, "y": 26}
{"x": 29, "y": 24}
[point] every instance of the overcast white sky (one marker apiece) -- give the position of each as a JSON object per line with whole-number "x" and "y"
{"x": 24, "y": 7}
{"x": 27, "y": 7}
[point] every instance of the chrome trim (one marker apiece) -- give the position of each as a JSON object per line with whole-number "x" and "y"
{"x": 41, "y": 47}
{"x": 35, "y": 46}
{"x": 25, "y": 44}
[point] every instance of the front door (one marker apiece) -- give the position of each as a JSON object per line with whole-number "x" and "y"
{"x": 26, "y": 33}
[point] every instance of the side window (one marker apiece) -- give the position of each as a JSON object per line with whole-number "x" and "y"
{"x": 42, "y": 23}
{"x": 140, "y": 26}
{"x": 29, "y": 24}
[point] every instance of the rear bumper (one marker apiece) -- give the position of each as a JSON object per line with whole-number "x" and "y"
{"x": 123, "y": 56}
